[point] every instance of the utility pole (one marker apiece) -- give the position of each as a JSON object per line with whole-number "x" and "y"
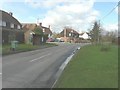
{"x": 65, "y": 31}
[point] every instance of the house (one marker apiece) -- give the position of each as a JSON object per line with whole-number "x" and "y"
{"x": 31, "y": 36}
{"x": 11, "y": 28}
{"x": 84, "y": 35}
{"x": 69, "y": 35}
{"x": 47, "y": 31}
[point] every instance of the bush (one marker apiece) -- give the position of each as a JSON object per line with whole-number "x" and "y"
{"x": 105, "y": 48}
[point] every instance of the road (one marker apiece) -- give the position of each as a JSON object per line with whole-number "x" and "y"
{"x": 34, "y": 69}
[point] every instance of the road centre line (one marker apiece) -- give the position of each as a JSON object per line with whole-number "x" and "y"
{"x": 40, "y": 57}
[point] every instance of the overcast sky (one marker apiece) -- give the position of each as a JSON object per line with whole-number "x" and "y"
{"x": 78, "y": 14}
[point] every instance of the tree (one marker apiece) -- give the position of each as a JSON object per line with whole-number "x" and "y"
{"x": 56, "y": 35}
{"x": 38, "y": 31}
{"x": 95, "y": 33}
{"x": 110, "y": 36}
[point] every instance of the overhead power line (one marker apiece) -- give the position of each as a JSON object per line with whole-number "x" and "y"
{"x": 110, "y": 11}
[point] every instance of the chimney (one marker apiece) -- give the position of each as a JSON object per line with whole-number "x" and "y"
{"x": 49, "y": 26}
{"x": 40, "y": 24}
{"x": 10, "y": 13}
{"x": 65, "y": 31}
{"x": 65, "y": 34}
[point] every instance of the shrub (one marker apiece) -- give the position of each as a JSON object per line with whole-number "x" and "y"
{"x": 105, "y": 48}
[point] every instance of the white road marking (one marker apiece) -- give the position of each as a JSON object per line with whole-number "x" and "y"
{"x": 40, "y": 57}
{"x": 0, "y": 73}
{"x": 62, "y": 67}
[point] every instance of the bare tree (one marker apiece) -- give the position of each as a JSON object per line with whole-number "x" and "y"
{"x": 56, "y": 35}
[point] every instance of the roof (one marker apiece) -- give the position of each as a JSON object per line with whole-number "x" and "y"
{"x": 9, "y": 18}
{"x": 47, "y": 30}
{"x": 81, "y": 33}
{"x": 69, "y": 30}
{"x": 32, "y": 26}
{"x": 84, "y": 33}
{"x": 27, "y": 27}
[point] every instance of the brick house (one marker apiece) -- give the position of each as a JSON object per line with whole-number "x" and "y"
{"x": 11, "y": 28}
{"x": 47, "y": 31}
{"x": 69, "y": 35}
{"x": 31, "y": 37}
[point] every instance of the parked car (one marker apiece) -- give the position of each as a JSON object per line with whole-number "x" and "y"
{"x": 61, "y": 41}
{"x": 50, "y": 40}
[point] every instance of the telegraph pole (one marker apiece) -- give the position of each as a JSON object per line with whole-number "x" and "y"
{"x": 65, "y": 31}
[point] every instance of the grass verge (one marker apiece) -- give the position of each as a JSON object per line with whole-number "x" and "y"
{"x": 24, "y": 47}
{"x": 91, "y": 68}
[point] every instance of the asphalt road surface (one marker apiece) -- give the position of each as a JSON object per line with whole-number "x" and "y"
{"x": 34, "y": 69}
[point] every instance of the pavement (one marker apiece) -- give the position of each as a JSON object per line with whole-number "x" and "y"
{"x": 35, "y": 69}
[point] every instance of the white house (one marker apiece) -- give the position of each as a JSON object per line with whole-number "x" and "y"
{"x": 84, "y": 36}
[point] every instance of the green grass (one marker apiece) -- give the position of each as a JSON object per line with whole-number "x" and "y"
{"x": 23, "y": 48}
{"x": 91, "y": 68}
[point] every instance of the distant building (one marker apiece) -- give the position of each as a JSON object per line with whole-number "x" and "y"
{"x": 47, "y": 31}
{"x": 11, "y": 28}
{"x": 69, "y": 35}
{"x": 31, "y": 37}
{"x": 84, "y": 35}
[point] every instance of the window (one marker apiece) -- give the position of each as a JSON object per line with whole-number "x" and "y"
{"x": 4, "y": 23}
{"x": 18, "y": 27}
{"x": 43, "y": 30}
{"x": 49, "y": 35}
{"x": 12, "y": 25}
{"x": 69, "y": 34}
